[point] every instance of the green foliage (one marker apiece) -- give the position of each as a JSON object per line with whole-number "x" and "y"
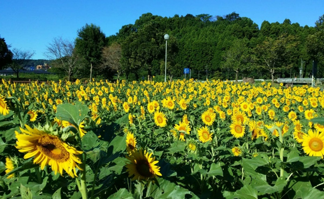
{"x": 89, "y": 45}
{"x": 5, "y": 54}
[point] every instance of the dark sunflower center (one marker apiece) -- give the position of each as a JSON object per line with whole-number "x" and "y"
{"x": 131, "y": 144}
{"x": 182, "y": 128}
{"x": 53, "y": 148}
{"x": 316, "y": 144}
{"x": 160, "y": 119}
{"x": 205, "y": 135}
{"x": 144, "y": 169}
{"x": 207, "y": 118}
{"x": 238, "y": 129}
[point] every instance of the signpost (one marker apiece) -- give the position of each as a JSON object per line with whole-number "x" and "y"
{"x": 186, "y": 71}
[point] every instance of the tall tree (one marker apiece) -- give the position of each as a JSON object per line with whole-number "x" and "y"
{"x": 111, "y": 56}
{"x": 276, "y": 54}
{"x": 63, "y": 51}
{"x": 237, "y": 57}
{"x": 19, "y": 58}
{"x": 89, "y": 45}
{"x": 5, "y": 54}
{"x": 315, "y": 42}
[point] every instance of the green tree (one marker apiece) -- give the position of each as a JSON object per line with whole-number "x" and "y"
{"x": 5, "y": 54}
{"x": 111, "y": 56}
{"x": 63, "y": 51}
{"x": 276, "y": 54}
{"x": 237, "y": 57}
{"x": 19, "y": 59}
{"x": 315, "y": 42}
{"x": 89, "y": 45}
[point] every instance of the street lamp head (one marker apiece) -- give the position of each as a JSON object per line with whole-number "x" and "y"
{"x": 166, "y": 36}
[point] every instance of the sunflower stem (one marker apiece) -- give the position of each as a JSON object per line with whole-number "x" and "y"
{"x": 39, "y": 179}
{"x": 281, "y": 151}
{"x": 83, "y": 187}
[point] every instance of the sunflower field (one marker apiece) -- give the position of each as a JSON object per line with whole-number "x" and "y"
{"x": 179, "y": 139}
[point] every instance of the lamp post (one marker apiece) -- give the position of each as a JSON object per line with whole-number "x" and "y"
{"x": 166, "y": 37}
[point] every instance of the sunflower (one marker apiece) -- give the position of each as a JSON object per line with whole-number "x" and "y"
{"x": 131, "y": 118}
{"x": 151, "y": 107}
{"x": 298, "y": 125}
{"x": 130, "y": 142}
{"x": 142, "y": 166}
{"x": 81, "y": 129}
{"x": 4, "y": 110}
{"x": 160, "y": 119}
{"x": 285, "y": 108}
{"x": 222, "y": 115}
{"x": 33, "y": 115}
{"x": 204, "y": 134}
{"x": 208, "y": 117}
{"x": 183, "y": 127}
{"x": 309, "y": 114}
{"x": 313, "y": 143}
{"x": 258, "y": 110}
{"x": 237, "y": 129}
{"x": 299, "y": 136}
{"x": 271, "y": 114}
{"x": 183, "y": 104}
{"x": 192, "y": 146}
{"x": 314, "y": 104}
{"x": 9, "y": 167}
{"x": 245, "y": 106}
{"x": 185, "y": 119}
{"x": 126, "y": 107}
{"x": 319, "y": 127}
{"x": 182, "y": 136}
{"x": 301, "y": 109}
{"x": 239, "y": 117}
{"x": 169, "y": 103}
{"x": 236, "y": 151}
{"x": 48, "y": 150}
{"x": 292, "y": 115}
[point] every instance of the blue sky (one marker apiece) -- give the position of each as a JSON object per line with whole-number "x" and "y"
{"x": 33, "y": 24}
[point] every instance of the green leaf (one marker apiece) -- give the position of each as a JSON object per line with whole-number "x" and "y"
{"x": 250, "y": 165}
{"x": 118, "y": 144}
{"x": 177, "y": 146}
{"x": 89, "y": 141}
{"x": 2, "y": 167}
{"x": 121, "y": 193}
{"x": 246, "y": 192}
{"x": 293, "y": 156}
{"x": 94, "y": 155}
{"x": 264, "y": 188}
{"x": 215, "y": 170}
{"x": 36, "y": 188}
{"x": 319, "y": 120}
{"x": 72, "y": 113}
{"x": 123, "y": 120}
{"x": 6, "y": 123}
{"x": 28, "y": 164}
{"x": 10, "y": 134}
{"x": 2, "y": 145}
{"x": 119, "y": 164}
{"x": 25, "y": 192}
{"x": 306, "y": 191}
{"x": 158, "y": 131}
{"x": 309, "y": 161}
{"x": 166, "y": 189}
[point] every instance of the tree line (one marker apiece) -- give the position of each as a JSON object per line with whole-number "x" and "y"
{"x": 220, "y": 47}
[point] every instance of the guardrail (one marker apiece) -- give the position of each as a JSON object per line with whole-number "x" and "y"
{"x": 299, "y": 80}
